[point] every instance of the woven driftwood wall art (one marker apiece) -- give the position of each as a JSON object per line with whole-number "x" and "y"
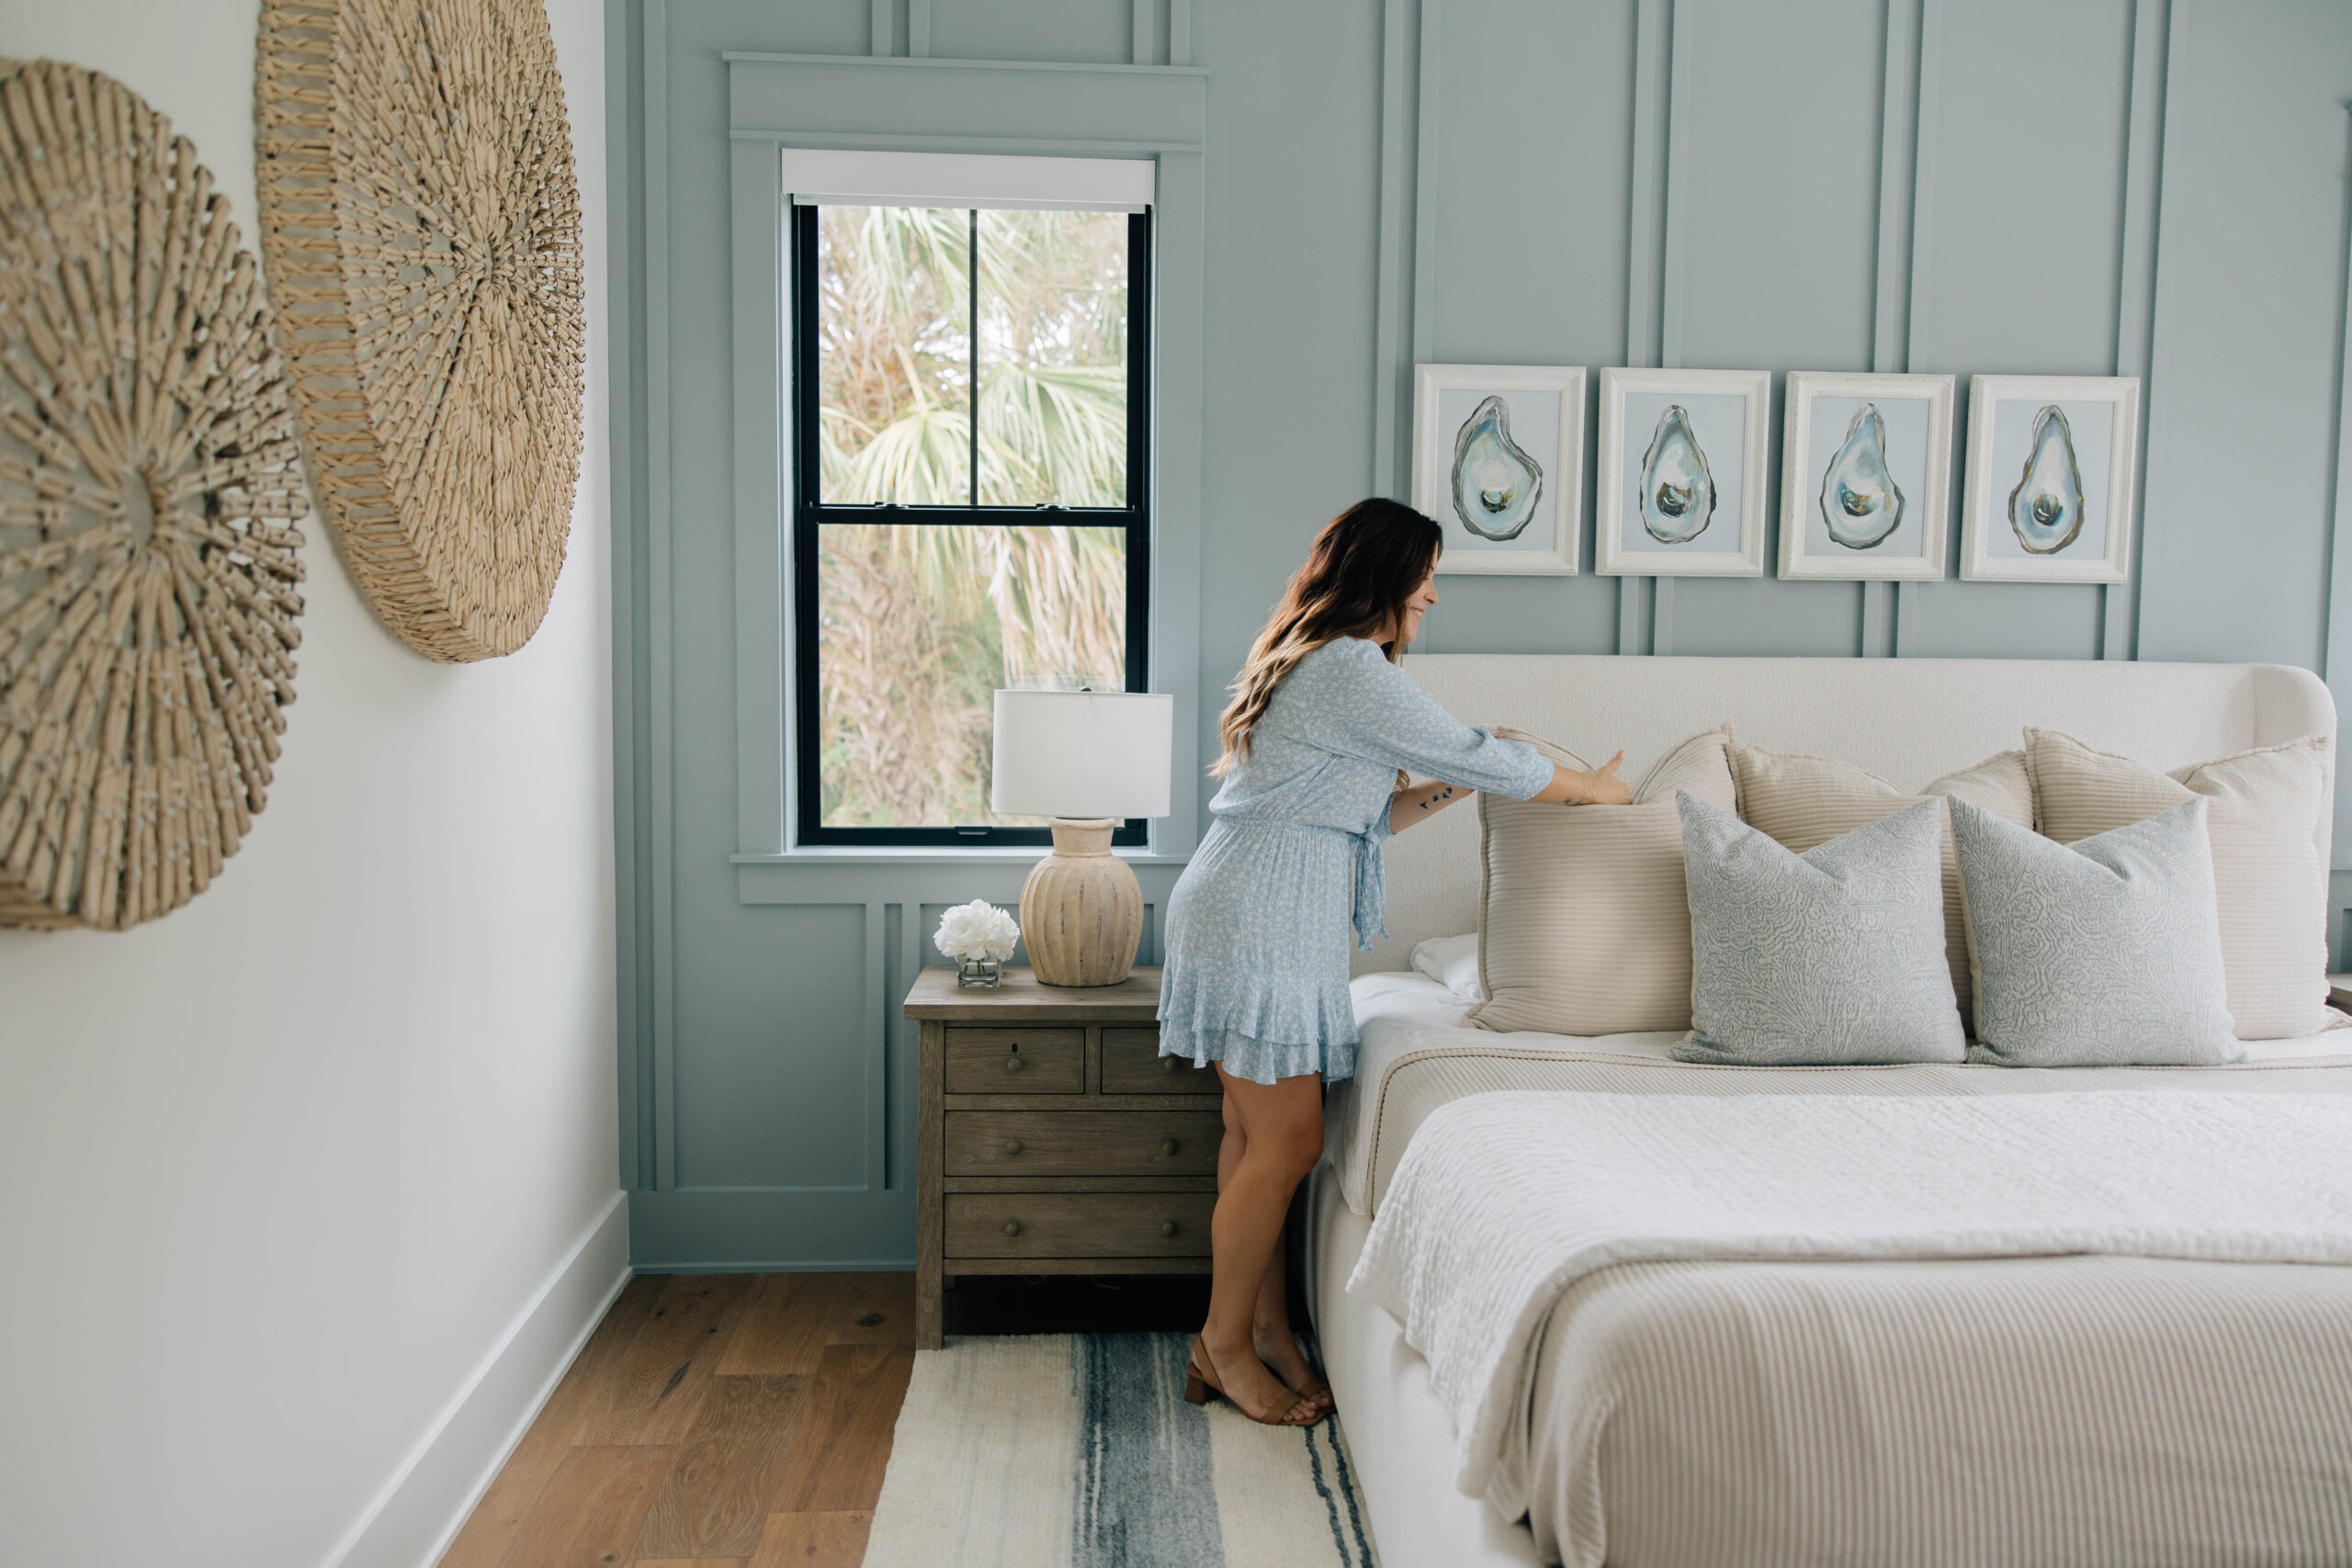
{"x": 421, "y": 220}
{"x": 150, "y": 479}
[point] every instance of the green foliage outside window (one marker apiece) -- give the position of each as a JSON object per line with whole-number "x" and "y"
{"x": 920, "y": 623}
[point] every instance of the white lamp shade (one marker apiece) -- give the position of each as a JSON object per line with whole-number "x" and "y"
{"x": 1082, "y": 754}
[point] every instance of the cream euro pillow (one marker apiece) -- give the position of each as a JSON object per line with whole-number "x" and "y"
{"x": 1802, "y": 801}
{"x": 1583, "y": 924}
{"x": 2262, "y": 809}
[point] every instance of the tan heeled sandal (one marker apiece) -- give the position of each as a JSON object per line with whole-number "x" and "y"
{"x": 1199, "y": 1387}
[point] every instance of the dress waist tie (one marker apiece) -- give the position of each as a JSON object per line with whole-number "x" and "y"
{"x": 1371, "y": 889}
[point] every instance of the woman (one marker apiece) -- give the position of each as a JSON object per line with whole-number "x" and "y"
{"x": 1321, "y": 731}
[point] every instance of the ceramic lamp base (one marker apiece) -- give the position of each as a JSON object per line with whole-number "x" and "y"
{"x": 1082, "y": 910}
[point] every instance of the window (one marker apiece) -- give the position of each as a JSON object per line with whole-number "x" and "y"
{"x": 970, "y": 429}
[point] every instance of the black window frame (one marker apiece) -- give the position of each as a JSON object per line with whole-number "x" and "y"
{"x": 811, "y": 511}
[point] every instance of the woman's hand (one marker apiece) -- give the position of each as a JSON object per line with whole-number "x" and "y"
{"x": 1600, "y": 787}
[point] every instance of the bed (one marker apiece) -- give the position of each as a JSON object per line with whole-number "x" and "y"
{"x": 1867, "y": 1412}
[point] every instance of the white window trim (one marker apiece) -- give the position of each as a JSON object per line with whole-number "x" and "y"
{"x": 1065, "y": 114}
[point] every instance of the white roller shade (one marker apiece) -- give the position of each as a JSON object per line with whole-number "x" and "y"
{"x": 819, "y": 178}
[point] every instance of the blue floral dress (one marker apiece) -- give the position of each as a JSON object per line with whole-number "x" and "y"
{"x": 1257, "y": 946}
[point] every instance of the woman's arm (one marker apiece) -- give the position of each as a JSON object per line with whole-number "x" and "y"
{"x": 1422, "y": 802}
{"x": 1601, "y": 787}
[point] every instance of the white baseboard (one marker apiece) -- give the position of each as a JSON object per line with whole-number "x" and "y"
{"x": 413, "y": 1521}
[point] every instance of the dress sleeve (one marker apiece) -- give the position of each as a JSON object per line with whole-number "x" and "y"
{"x": 1378, "y": 714}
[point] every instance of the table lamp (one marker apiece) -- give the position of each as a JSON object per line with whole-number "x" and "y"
{"x": 1086, "y": 759}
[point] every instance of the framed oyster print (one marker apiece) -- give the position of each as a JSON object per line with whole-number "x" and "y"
{"x": 1499, "y": 461}
{"x": 2051, "y": 461}
{"x": 1865, "y": 475}
{"x": 1682, "y": 480}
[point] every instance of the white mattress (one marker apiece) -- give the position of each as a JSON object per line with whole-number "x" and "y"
{"x": 1416, "y": 1054}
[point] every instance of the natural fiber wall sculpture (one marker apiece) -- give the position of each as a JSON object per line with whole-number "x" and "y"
{"x": 149, "y": 481}
{"x": 421, "y": 220}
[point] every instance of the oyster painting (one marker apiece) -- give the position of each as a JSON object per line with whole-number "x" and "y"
{"x": 2046, "y": 507}
{"x": 1682, "y": 457}
{"x": 1677, "y": 493}
{"x": 2051, "y": 467}
{"x": 1860, "y": 504}
{"x": 1865, "y": 475}
{"x": 1496, "y": 485}
{"x": 1498, "y": 462}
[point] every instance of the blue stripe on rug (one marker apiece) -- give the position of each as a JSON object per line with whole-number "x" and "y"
{"x": 1347, "y": 1533}
{"x": 1147, "y": 1489}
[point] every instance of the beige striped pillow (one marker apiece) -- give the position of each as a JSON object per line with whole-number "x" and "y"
{"x": 2263, "y": 807}
{"x": 1584, "y": 925}
{"x": 1800, "y": 801}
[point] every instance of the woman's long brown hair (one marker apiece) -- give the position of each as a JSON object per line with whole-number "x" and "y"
{"x": 1361, "y": 570}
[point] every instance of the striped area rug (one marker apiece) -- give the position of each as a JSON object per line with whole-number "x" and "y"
{"x": 1077, "y": 1450}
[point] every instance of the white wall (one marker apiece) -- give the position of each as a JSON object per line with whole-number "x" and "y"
{"x": 281, "y": 1173}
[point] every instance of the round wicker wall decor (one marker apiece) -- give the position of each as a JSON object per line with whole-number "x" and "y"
{"x": 421, "y": 219}
{"x": 150, "y": 478}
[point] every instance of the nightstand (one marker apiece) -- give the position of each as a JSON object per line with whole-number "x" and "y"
{"x": 1051, "y": 1138}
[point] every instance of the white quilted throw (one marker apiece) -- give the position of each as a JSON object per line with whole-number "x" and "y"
{"x": 1504, "y": 1199}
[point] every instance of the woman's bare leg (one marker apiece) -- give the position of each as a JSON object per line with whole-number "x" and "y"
{"x": 1270, "y": 1317}
{"x": 1282, "y": 1127}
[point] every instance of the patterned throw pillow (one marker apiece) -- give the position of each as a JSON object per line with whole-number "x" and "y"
{"x": 1583, "y": 928}
{"x": 1828, "y": 958}
{"x": 1803, "y": 801}
{"x": 2100, "y": 953}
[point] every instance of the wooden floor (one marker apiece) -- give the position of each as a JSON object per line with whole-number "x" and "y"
{"x": 744, "y": 1420}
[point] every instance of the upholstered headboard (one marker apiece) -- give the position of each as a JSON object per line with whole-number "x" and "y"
{"x": 1908, "y": 720}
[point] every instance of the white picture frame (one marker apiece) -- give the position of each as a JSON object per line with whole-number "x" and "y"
{"x": 2095, "y": 447}
{"x": 1542, "y": 418}
{"x": 1831, "y": 420}
{"x": 1728, "y": 410}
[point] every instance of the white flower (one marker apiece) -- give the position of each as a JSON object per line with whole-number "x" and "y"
{"x": 976, "y": 930}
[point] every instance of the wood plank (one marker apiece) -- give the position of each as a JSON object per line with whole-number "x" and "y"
{"x": 1078, "y": 1224}
{"x": 842, "y": 1444}
{"x": 786, "y": 1326}
{"x": 1015, "y": 1057}
{"x": 689, "y": 1562}
{"x": 1080, "y": 1266}
{"x": 1212, "y": 1103}
{"x": 814, "y": 1541}
{"x": 935, "y": 995}
{"x": 715, "y": 1503}
{"x": 1077, "y": 1184}
{"x": 1132, "y": 1065}
{"x": 593, "y": 1507}
{"x": 1082, "y": 1143}
{"x": 874, "y": 1308}
{"x": 585, "y": 1387}
{"x": 668, "y": 1371}
{"x": 929, "y": 1169}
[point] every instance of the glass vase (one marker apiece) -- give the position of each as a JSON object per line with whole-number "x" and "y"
{"x": 982, "y": 972}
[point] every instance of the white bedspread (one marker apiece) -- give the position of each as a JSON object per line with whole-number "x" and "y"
{"x": 1504, "y": 1199}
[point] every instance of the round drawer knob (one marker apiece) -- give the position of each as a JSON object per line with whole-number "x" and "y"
{"x": 1167, "y": 1064}
{"x": 1012, "y": 1063}
{"x": 1168, "y": 1228}
{"x": 1012, "y": 1227}
{"x": 1013, "y": 1145}
{"x": 1169, "y": 1147}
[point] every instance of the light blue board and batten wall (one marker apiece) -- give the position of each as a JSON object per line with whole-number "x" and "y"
{"x": 2093, "y": 186}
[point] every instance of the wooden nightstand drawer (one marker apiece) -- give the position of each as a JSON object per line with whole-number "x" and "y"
{"x": 1132, "y": 1065}
{"x": 1015, "y": 1061}
{"x": 1082, "y": 1143}
{"x": 1078, "y": 1224}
